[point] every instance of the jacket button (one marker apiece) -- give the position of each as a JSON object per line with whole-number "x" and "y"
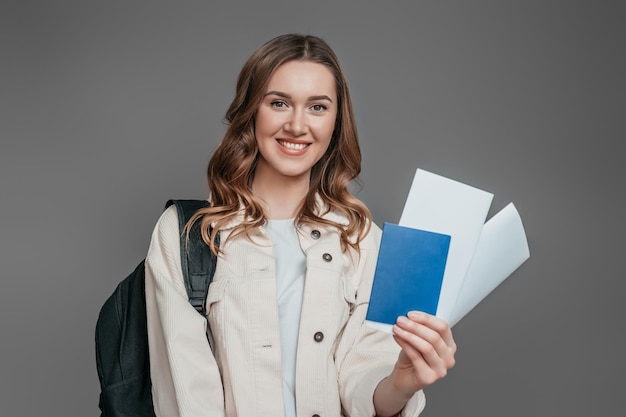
{"x": 318, "y": 337}
{"x": 327, "y": 257}
{"x": 315, "y": 234}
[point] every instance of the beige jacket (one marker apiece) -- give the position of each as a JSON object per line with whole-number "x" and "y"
{"x": 339, "y": 362}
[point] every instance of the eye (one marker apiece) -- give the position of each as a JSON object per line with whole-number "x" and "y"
{"x": 278, "y": 104}
{"x": 318, "y": 108}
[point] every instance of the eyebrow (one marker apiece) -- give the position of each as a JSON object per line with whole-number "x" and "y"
{"x": 311, "y": 98}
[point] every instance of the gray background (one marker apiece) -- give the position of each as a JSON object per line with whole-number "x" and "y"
{"x": 108, "y": 109}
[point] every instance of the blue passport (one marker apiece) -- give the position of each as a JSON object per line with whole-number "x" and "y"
{"x": 409, "y": 273}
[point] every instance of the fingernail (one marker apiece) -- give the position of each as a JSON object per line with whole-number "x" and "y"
{"x": 415, "y": 314}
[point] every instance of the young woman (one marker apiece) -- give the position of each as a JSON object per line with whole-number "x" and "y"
{"x": 288, "y": 300}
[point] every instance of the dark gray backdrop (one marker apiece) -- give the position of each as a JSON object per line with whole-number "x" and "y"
{"x": 110, "y": 108}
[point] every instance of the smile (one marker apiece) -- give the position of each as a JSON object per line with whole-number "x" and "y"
{"x": 292, "y": 146}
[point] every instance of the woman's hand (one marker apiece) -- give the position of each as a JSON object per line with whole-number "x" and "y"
{"x": 427, "y": 351}
{"x": 427, "y": 354}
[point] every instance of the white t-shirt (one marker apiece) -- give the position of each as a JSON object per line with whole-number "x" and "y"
{"x": 290, "y": 271}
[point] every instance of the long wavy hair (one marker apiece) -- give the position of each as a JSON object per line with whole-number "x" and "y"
{"x": 232, "y": 165}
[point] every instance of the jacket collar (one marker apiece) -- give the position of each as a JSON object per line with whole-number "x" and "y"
{"x": 322, "y": 210}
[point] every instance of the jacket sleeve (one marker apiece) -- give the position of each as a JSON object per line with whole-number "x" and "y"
{"x": 185, "y": 378}
{"x": 365, "y": 355}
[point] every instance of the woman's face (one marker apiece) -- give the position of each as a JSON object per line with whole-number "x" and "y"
{"x": 295, "y": 121}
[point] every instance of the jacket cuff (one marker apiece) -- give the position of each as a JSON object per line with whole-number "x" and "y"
{"x": 363, "y": 402}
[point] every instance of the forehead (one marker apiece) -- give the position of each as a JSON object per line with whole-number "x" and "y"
{"x": 304, "y": 77}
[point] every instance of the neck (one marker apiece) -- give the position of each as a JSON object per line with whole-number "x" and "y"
{"x": 280, "y": 195}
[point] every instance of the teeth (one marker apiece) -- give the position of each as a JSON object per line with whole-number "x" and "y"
{"x": 291, "y": 145}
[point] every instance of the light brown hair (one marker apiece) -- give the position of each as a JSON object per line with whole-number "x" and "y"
{"x": 232, "y": 165}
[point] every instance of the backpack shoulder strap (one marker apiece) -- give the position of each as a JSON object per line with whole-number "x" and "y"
{"x": 197, "y": 260}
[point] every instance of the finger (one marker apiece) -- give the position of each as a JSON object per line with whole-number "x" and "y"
{"x": 415, "y": 335}
{"x": 412, "y": 354}
{"x": 425, "y": 371}
{"x": 434, "y": 342}
{"x": 435, "y": 323}
{"x": 413, "y": 359}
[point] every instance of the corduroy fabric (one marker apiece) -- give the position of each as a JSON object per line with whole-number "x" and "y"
{"x": 340, "y": 360}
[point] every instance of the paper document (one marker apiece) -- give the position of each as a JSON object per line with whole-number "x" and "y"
{"x": 479, "y": 255}
{"x": 502, "y": 249}
{"x": 442, "y": 205}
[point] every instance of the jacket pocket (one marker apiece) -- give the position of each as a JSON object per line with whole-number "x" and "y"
{"x": 349, "y": 294}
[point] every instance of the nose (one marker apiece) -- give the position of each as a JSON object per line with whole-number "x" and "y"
{"x": 296, "y": 124}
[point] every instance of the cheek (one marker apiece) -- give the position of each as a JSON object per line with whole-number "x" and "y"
{"x": 259, "y": 123}
{"x": 330, "y": 129}
{"x": 265, "y": 122}
{"x": 325, "y": 128}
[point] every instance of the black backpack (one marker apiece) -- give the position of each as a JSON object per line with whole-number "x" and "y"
{"x": 121, "y": 333}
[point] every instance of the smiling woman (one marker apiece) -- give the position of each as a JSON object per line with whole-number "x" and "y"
{"x": 297, "y": 253}
{"x": 233, "y": 167}
{"x": 293, "y": 129}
